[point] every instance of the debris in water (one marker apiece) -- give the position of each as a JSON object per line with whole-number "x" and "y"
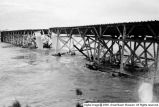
{"x": 119, "y": 74}
{"x": 92, "y": 66}
{"x": 72, "y": 53}
{"x": 78, "y": 92}
{"x": 58, "y": 54}
{"x": 116, "y": 74}
{"x": 78, "y": 105}
{"x": 16, "y": 104}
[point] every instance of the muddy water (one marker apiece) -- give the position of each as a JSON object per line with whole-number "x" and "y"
{"x": 36, "y": 78}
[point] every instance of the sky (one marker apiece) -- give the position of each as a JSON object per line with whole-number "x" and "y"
{"x": 32, "y": 14}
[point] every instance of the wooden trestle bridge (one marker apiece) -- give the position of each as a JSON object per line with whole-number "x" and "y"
{"x": 133, "y": 43}
{"x": 20, "y": 37}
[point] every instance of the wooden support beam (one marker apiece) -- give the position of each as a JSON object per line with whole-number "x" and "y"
{"x": 154, "y": 50}
{"x": 156, "y": 73}
{"x": 70, "y": 43}
{"x": 133, "y": 57}
{"x": 99, "y": 46}
{"x": 106, "y": 46}
{"x": 70, "y": 39}
{"x": 152, "y": 31}
{"x": 108, "y": 50}
{"x": 133, "y": 52}
{"x": 77, "y": 42}
{"x": 81, "y": 51}
{"x": 89, "y": 44}
{"x": 84, "y": 39}
{"x": 57, "y": 40}
{"x": 101, "y": 41}
{"x": 122, "y": 51}
{"x": 119, "y": 31}
{"x": 112, "y": 54}
{"x": 95, "y": 50}
{"x": 85, "y": 42}
{"x": 131, "y": 29}
{"x": 131, "y": 46}
{"x": 145, "y": 51}
{"x": 64, "y": 43}
{"x": 104, "y": 30}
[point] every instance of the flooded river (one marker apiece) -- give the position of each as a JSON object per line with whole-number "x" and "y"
{"x": 36, "y": 78}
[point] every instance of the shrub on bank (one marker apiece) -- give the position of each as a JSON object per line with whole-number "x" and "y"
{"x": 16, "y": 103}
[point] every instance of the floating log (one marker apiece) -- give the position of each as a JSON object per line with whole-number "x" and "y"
{"x": 57, "y": 54}
{"x": 92, "y": 66}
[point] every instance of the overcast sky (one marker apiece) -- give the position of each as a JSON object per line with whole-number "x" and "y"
{"x": 29, "y": 14}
